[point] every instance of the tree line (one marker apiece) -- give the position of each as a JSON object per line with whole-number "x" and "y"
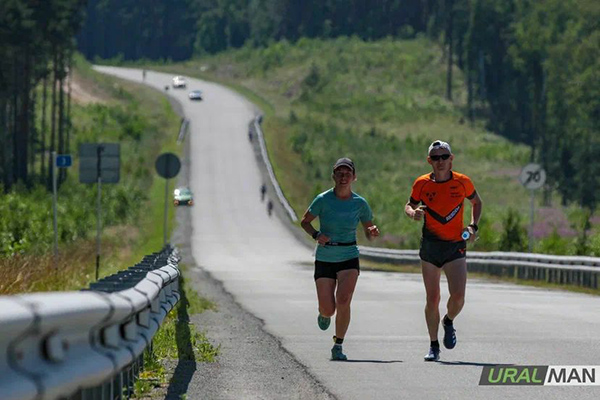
{"x": 36, "y": 49}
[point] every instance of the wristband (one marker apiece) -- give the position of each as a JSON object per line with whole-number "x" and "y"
{"x": 316, "y": 235}
{"x": 475, "y": 227}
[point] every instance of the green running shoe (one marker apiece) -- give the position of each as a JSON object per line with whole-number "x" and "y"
{"x": 323, "y": 322}
{"x": 337, "y": 354}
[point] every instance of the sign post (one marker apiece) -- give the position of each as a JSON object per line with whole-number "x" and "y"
{"x": 58, "y": 161}
{"x": 167, "y": 165}
{"x": 532, "y": 177}
{"x": 99, "y": 163}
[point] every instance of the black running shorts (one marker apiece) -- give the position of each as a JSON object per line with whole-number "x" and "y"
{"x": 439, "y": 252}
{"x": 325, "y": 269}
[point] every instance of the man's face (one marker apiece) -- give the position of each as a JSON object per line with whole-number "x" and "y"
{"x": 440, "y": 160}
{"x": 343, "y": 176}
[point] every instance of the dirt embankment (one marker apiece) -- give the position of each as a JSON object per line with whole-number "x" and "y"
{"x": 84, "y": 91}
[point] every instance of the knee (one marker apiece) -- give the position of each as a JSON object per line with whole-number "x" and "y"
{"x": 327, "y": 311}
{"x": 458, "y": 297}
{"x": 343, "y": 301}
{"x": 433, "y": 299}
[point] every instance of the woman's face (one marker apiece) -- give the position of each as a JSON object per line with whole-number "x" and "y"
{"x": 343, "y": 176}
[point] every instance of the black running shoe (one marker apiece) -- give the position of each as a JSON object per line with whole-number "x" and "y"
{"x": 433, "y": 355}
{"x": 449, "y": 336}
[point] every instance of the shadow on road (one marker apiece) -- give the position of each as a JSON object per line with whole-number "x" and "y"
{"x": 474, "y": 364}
{"x": 186, "y": 365}
{"x": 374, "y": 361}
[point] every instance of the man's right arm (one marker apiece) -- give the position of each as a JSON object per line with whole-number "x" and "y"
{"x": 412, "y": 208}
{"x": 414, "y": 211}
{"x": 409, "y": 210}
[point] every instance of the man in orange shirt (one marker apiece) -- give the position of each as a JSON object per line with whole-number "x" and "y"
{"x": 443, "y": 245}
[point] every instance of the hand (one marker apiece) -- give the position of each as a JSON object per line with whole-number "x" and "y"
{"x": 372, "y": 232}
{"x": 472, "y": 234}
{"x": 419, "y": 212}
{"x": 322, "y": 239}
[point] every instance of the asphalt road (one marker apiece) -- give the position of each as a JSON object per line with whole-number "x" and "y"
{"x": 268, "y": 272}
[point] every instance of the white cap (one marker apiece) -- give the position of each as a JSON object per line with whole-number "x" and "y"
{"x": 439, "y": 144}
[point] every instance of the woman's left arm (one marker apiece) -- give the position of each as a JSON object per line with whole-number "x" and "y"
{"x": 371, "y": 230}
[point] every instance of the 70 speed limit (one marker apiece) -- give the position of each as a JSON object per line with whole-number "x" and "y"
{"x": 532, "y": 176}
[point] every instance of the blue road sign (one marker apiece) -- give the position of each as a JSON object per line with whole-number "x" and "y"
{"x": 63, "y": 160}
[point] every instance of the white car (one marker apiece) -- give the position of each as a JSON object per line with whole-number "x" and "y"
{"x": 195, "y": 95}
{"x": 179, "y": 82}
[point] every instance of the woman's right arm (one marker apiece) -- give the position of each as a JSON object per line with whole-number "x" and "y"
{"x": 306, "y": 224}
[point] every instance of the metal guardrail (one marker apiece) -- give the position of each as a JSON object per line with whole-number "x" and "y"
{"x": 183, "y": 129}
{"x": 580, "y": 271}
{"x": 87, "y": 344}
{"x": 265, "y": 157}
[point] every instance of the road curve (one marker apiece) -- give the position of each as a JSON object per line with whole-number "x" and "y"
{"x": 269, "y": 273}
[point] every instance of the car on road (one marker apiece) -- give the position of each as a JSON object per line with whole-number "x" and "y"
{"x": 195, "y": 95}
{"x": 179, "y": 82}
{"x": 183, "y": 197}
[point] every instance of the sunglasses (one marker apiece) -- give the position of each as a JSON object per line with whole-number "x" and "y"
{"x": 442, "y": 157}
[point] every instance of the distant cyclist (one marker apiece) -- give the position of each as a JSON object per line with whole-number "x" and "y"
{"x": 442, "y": 193}
{"x": 336, "y": 265}
{"x": 270, "y": 207}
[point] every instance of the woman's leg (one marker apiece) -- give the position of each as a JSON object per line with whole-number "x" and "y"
{"x": 346, "y": 283}
{"x": 325, "y": 296}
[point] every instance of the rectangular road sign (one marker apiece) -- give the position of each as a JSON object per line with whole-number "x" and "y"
{"x": 63, "y": 160}
{"x": 109, "y": 156}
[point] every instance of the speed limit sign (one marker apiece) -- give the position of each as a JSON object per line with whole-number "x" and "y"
{"x": 532, "y": 176}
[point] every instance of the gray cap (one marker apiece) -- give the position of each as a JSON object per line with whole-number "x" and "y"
{"x": 439, "y": 144}
{"x": 344, "y": 162}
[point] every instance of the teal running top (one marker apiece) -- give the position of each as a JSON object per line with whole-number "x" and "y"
{"x": 338, "y": 220}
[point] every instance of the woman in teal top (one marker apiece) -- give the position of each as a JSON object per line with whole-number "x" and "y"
{"x": 336, "y": 263}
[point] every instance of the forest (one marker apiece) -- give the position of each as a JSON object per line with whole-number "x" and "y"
{"x": 37, "y": 43}
{"x": 532, "y": 67}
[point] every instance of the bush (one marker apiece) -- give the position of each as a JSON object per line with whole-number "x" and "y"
{"x": 514, "y": 236}
{"x": 583, "y": 225}
{"x": 554, "y": 244}
{"x": 27, "y": 220}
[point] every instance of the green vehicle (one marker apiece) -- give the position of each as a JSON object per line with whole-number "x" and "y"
{"x": 183, "y": 197}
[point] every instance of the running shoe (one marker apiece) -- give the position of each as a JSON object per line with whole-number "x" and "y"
{"x": 337, "y": 354}
{"x": 323, "y": 322}
{"x": 433, "y": 355}
{"x": 449, "y": 336}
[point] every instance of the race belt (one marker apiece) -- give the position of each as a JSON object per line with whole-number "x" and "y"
{"x": 341, "y": 243}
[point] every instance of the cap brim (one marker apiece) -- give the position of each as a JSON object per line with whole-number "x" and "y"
{"x": 343, "y": 165}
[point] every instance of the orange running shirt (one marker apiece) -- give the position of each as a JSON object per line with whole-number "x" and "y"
{"x": 444, "y": 201}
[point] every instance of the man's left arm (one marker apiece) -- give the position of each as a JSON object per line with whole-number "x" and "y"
{"x": 476, "y": 208}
